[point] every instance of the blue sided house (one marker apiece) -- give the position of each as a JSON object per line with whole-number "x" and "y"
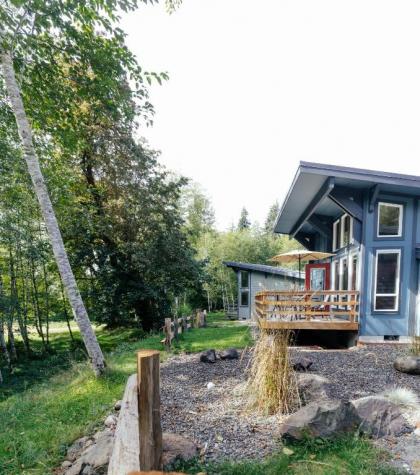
{"x": 370, "y": 222}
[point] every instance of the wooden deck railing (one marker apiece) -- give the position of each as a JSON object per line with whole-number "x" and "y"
{"x": 327, "y": 309}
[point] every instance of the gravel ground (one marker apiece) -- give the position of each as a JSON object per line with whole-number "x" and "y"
{"x": 218, "y": 421}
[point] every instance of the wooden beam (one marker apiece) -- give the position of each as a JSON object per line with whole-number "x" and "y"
{"x": 308, "y": 325}
{"x": 323, "y": 192}
{"x": 320, "y": 226}
{"x": 373, "y": 196}
{"x": 150, "y": 429}
{"x": 302, "y": 238}
{"x": 341, "y": 198}
{"x": 125, "y": 453}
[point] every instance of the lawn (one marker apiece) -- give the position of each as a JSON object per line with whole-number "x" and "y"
{"x": 50, "y": 402}
{"x": 47, "y": 403}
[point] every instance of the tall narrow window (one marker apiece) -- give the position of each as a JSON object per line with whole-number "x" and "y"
{"x": 344, "y": 285}
{"x": 244, "y": 279}
{"x": 345, "y": 230}
{"x": 354, "y": 270}
{"x": 336, "y": 275}
{"x": 336, "y": 235}
{"x": 244, "y": 293}
{"x": 387, "y": 280}
{"x": 390, "y": 219}
{"x": 342, "y": 232}
{"x": 244, "y": 298}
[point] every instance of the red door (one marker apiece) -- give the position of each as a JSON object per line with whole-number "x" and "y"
{"x": 317, "y": 276}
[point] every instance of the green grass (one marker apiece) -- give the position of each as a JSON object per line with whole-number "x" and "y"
{"x": 47, "y": 403}
{"x": 350, "y": 456}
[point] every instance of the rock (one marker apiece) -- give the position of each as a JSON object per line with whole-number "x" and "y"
{"x": 380, "y": 417}
{"x": 302, "y": 364}
{"x": 177, "y": 447}
{"x": 312, "y": 387}
{"x": 95, "y": 458}
{"x": 208, "y": 356}
{"x": 117, "y": 406}
{"x": 66, "y": 464}
{"x": 88, "y": 470}
{"x": 408, "y": 364}
{"x": 76, "y": 448}
{"x": 210, "y": 385}
{"x": 111, "y": 421}
{"x": 324, "y": 419}
{"x": 229, "y": 354}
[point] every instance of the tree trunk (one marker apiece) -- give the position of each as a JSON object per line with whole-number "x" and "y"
{"x": 60, "y": 254}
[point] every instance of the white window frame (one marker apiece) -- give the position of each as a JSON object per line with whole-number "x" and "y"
{"x": 335, "y": 225}
{"x": 352, "y": 257}
{"x": 340, "y": 222}
{"x": 400, "y": 220}
{"x": 397, "y": 286}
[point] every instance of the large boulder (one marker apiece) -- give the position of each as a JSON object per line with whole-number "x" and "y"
{"x": 323, "y": 419}
{"x": 176, "y": 447}
{"x": 229, "y": 354}
{"x": 408, "y": 364}
{"x": 208, "y": 356}
{"x": 380, "y": 417}
{"x": 312, "y": 387}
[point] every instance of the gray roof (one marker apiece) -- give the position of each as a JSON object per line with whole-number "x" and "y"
{"x": 311, "y": 177}
{"x": 294, "y": 274}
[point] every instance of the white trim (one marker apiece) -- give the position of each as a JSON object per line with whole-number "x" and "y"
{"x": 397, "y": 283}
{"x": 400, "y": 219}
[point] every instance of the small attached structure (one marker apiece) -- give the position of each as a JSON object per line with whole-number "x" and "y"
{"x": 254, "y": 278}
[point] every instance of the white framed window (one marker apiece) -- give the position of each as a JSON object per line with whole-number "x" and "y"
{"x": 390, "y": 220}
{"x": 387, "y": 280}
{"x": 354, "y": 272}
{"x": 342, "y": 232}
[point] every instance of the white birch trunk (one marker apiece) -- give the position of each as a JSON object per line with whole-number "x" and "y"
{"x": 25, "y": 133}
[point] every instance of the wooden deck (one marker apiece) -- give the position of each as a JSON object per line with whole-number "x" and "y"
{"x": 308, "y": 310}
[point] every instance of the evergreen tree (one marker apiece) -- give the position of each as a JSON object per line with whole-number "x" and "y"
{"x": 244, "y": 222}
{"x": 270, "y": 221}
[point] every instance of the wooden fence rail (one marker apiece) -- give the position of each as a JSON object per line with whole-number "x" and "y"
{"x": 176, "y": 326}
{"x": 325, "y": 309}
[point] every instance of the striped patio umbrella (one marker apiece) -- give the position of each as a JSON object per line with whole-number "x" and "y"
{"x": 300, "y": 255}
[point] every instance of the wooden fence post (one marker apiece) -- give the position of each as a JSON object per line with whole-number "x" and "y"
{"x": 205, "y": 318}
{"x": 184, "y": 324}
{"x": 168, "y": 333}
{"x": 192, "y": 322}
{"x": 150, "y": 430}
{"x": 176, "y": 328}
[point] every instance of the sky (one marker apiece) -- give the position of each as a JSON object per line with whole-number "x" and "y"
{"x": 257, "y": 86}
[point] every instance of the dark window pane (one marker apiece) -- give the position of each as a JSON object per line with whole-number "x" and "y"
{"x": 244, "y": 298}
{"x": 354, "y": 274}
{"x": 386, "y": 280}
{"x": 346, "y": 230}
{"x": 345, "y": 275}
{"x": 244, "y": 279}
{"x": 389, "y": 220}
{"x": 385, "y": 303}
{"x": 336, "y": 276}
{"x": 337, "y": 243}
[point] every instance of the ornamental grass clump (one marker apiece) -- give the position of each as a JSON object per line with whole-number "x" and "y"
{"x": 272, "y": 382}
{"x": 415, "y": 345}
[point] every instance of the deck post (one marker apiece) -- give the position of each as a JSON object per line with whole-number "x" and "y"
{"x": 150, "y": 430}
